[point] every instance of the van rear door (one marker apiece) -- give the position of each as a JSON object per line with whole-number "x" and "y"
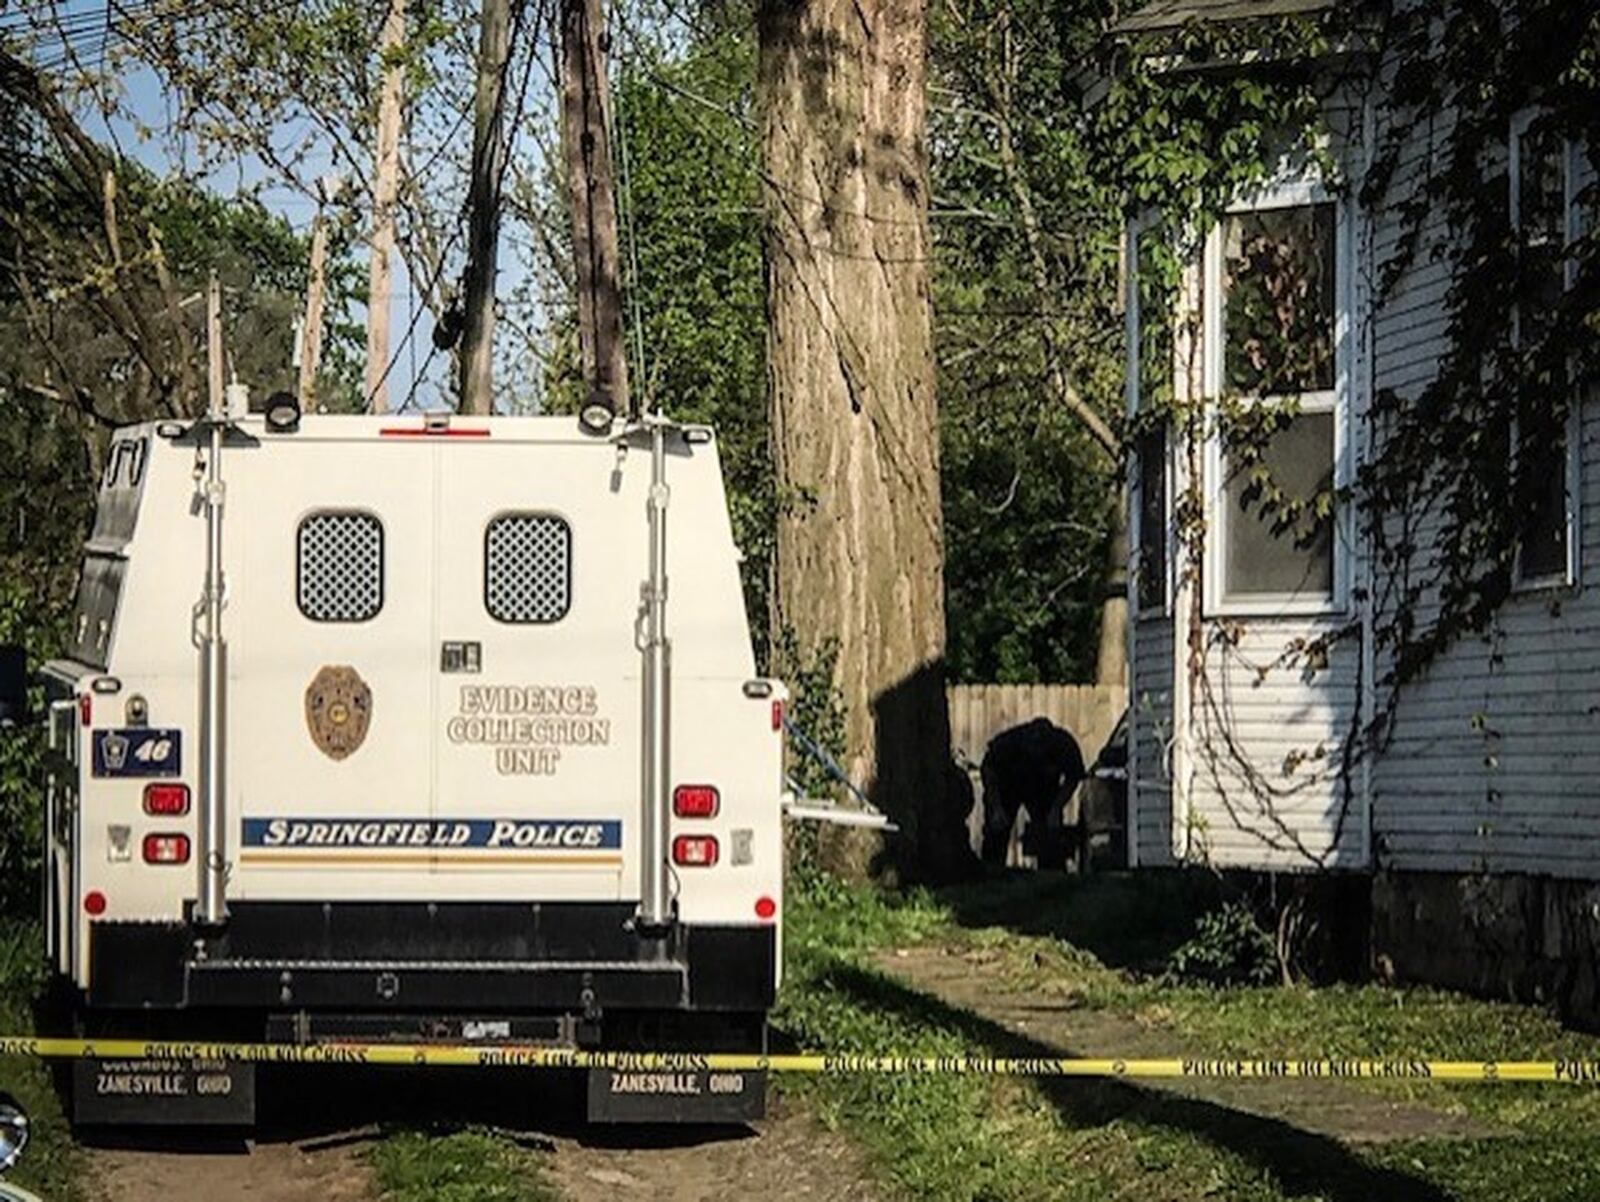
{"x": 535, "y": 671}
{"x": 331, "y": 636}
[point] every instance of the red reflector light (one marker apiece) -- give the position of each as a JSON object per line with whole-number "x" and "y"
{"x": 166, "y": 849}
{"x": 696, "y": 801}
{"x": 166, "y": 800}
{"x": 765, "y": 908}
{"x": 85, "y": 708}
{"x": 94, "y": 903}
{"x": 777, "y": 715}
{"x": 694, "y": 851}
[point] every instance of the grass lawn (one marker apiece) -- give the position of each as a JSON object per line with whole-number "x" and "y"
{"x": 996, "y": 1139}
{"x": 1084, "y": 943}
{"x": 52, "y": 1165}
{"x": 458, "y": 1166}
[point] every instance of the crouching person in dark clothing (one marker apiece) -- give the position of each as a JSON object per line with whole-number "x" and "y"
{"x": 1034, "y": 766}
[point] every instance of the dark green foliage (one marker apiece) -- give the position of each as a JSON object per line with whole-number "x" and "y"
{"x": 1029, "y": 496}
{"x": 1228, "y": 947}
{"x": 53, "y": 430}
{"x": 695, "y": 201}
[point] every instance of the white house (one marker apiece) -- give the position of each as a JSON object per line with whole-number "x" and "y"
{"x": 1266, "y": 730}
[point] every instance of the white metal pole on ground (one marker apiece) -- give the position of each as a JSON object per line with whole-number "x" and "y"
{"x": 212, "y": 907}
{"x": 654, "y": 903}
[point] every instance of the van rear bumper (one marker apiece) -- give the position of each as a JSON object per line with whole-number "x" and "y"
{"x": 441, "y": 956}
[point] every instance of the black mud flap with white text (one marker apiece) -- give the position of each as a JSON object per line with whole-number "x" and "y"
{"x": 676, "y": 1096}
{"x": 208, "y": 1093}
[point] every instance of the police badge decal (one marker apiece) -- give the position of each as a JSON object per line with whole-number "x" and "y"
{"x": 338, "y": 710}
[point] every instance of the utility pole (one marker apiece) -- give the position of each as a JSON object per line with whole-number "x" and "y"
{"x": 483, "y": 208}
{"x": 311, "y": 327}
{"x": 214, "y": 371}
{"x": 384, "y": 189}
{"x": 585, "y": 105}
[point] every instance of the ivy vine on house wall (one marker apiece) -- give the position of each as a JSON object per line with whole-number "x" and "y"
{"x": 1461, "y": 493}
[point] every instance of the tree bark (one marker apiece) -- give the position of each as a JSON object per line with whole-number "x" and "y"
{"x": 591, "y": 196}
{"x": 386, "y": 176}
{"x": 860, "y": 542}
{"x": 483, "y": 206}
{"x": 311, "y": 330}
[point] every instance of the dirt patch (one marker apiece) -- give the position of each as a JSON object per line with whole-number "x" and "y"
{"x": 1324, "y": 1108}
{"x": 788, "y": 1155}
{"x": 316, "y": 1126}
{"x": 321, "y": 1170}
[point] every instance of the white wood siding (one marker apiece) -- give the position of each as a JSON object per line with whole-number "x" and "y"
{"x": 1493, "y": 764}
{"x": 1268, "y": 783}
{"x": 1150, "y": 726}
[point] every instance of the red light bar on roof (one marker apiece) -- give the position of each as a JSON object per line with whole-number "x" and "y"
{"x": 434, "y": 425}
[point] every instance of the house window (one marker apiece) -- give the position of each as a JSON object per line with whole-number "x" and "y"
{"x": 1274, "y": 300}
{"x": 1152, "y": 311}
{"x": 1548, "y": 175}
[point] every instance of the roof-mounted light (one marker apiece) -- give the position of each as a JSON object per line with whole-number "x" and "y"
{"x": 283, "y": 413}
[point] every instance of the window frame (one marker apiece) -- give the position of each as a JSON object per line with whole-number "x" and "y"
{"x": 1569, "y": 577}
{"x": 1134, "y": 323}
{"x": 1217, "y": 602}
{"x": 383, "y": 564}
{"x": 510, "y": 514}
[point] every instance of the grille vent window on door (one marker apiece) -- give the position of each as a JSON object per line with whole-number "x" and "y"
{"x": 340, "y": 567}
{"x": 527, "y": 575}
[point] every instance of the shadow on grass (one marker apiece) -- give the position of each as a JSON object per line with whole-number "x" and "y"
{"x": 1302, "y": 1162}
{"x": 1133, "y": 921}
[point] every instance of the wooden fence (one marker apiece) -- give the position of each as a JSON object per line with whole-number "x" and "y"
{"x": 978, "y": 712}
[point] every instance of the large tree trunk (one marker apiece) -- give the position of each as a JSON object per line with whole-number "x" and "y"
{"x": 596, "y": 248}
{"x": 860, "y": 547}
{"x": 483, "y": 209}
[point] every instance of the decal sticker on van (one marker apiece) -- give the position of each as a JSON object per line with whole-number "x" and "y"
{"x": 135, "y": 751}
{"x": 338, "y": 710}
{"x": 528, "y": 725}
{"x": 473, "y": 838}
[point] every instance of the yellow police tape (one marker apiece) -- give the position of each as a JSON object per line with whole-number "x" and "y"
{"x": 1578, "y": 1072}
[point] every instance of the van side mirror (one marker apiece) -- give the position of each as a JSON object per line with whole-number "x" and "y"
{"x": 13, "y": 685}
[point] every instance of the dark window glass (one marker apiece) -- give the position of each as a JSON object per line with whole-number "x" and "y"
{"x": 339, "y": 566}
{"x": 1270, "y": 549}
{"x": 1157, "y": 297}
{"x": 1541, "y": 448}
{"x": 1278, "y": 280}
{"x": 527, "y": 568}
{"x": 1541, "y": 228}
{"x": 1542, "y": 490}
{"x": 1152, "y": 452}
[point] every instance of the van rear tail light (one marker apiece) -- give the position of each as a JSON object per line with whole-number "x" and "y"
{"x": 696, "y": 801}
{"x": 85, "y": 709}
{"x": 166, "y": 849}
{"x": 694, "y": 851}
{"x": 166, "y": 800}
{"x": 777, "y": 715}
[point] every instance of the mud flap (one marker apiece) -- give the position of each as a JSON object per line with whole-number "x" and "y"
{"x": 209, "y": 1093}
{"x": 691, "y": 1096}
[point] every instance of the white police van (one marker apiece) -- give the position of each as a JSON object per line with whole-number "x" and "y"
{"x": 370, "y": 729}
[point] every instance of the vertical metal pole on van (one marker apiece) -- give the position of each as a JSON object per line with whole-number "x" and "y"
{"x": 212, "y": 908}
{"x": 654, "y": 903}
